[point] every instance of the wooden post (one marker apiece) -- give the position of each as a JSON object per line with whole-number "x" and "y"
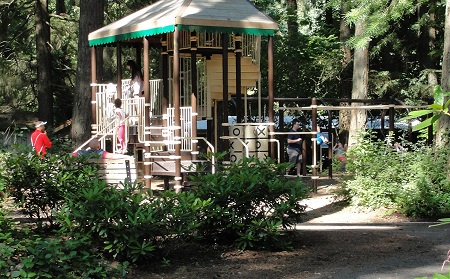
{"x": 147, "y": 161}
{"x": 270, "y": 92}
{"x": 283, "y": 138}
{"x": 165, "y": 75}
{"x": 315, "y": 176}
{"x": 224, "y": 130}
{"x": 194, "y": 93}
{"x": 330, "y": 146}
{"x": 93, "y": 88}
{"x": 238, "y": 54}
{"x": 176, "y": 106}
{"x": 119, "y": 71}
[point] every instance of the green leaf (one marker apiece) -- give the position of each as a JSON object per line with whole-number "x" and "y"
{"x": 436, "y": 106}
{"x": 438, "y": 95}
{"x": 417, "y": 113}
{"x": 447, "y": 104}
{"x": 423, "y": 125}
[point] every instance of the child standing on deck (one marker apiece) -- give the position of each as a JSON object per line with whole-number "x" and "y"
{"x": 120, "y": 120}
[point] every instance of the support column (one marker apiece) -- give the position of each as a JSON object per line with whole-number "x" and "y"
{"x": 238, "y": 53}
{"x": 315, "y": 175}
{"x": 165, "y": 75}
{"x": 281, "y": 128}
{"x": 270, "y": 95}
{"x": 176, "y": 105}
{"x": 93, "y": 88}
{"x": 194, "y": 93}
{"x": 224, "y": 131}
{"x": 119, "y": 71}
{"x": 147, "y": 161}
{"x": 146, "y": 77}
{"x": 330, "y": 145}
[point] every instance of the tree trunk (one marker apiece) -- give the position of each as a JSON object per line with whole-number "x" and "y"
{"x": 432, "y": 76}
{"x": 444, "y": 122}
{"x": 292, "y": 27}
{"x": 43, "y": 60}
{"x": 91, "y": 18}
{"x": 427, "y": 38}
{"x": 4, "y": 23}
{"x": 360, "y": 86}
{"x": 346, "y": 81}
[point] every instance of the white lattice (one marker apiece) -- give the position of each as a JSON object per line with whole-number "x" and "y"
{"x": 186, "y": 128}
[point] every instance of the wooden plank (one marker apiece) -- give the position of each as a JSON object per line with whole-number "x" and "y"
{"x": 232, "y": 77}
{"x": 216, "y": 61}
{"x": 114, "y": 170}
{"x": 232, "y": 71}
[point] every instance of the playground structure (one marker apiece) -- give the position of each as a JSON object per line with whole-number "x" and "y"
{"x": 206, "y": 58}
{"x": 209, "y": 51}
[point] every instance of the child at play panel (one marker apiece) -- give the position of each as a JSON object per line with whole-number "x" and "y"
{"x": 95, "y": 150}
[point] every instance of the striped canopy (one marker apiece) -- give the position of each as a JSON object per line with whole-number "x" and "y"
{"x": 223, "y": 16}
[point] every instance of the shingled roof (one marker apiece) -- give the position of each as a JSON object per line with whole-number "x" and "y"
{"x": 224, "y": 16}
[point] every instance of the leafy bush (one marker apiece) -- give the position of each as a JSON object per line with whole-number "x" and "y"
{"x": 412, "y": 182}
{"x": 251, "y": 201}
{"x": 24, "y": 254}
{"x": 129, "y": 223}
{"x": 39, "y": 185}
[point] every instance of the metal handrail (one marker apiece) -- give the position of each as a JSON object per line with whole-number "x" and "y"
{"x": 108, "y": 132}
{"x": 241, "y": 141}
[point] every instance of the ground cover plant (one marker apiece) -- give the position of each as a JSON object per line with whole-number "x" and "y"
{"x": 130, "y": 224}
{"x": 80, "y": 225}
{"x": 414, "y": 182}
{"x": 25, "y": 253}
{"x": 251, "y": 200}
{"x": 39, "y": 185}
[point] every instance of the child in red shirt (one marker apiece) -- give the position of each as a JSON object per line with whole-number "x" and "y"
{"x": 40, "y": 140}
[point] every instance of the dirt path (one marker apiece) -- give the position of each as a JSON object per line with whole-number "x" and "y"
{"x": 336, "y": 241}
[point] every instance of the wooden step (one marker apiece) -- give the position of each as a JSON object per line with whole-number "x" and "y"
{"x": 114, "y": 171}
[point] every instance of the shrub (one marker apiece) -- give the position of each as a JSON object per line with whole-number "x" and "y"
{"x": 39, "y": 185}
{"x": 129, "y": 223}
{"x": 414, "y": 182}
{"x": 251, "y": 201}
{"x": 24, "y": 254}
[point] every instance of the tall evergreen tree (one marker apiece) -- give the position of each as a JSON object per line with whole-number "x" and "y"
{"x": 444, "y": 122}
{"x": 358, "y": 117}
{"x": 43, "y": 59}
{"x": 91, "y": 18}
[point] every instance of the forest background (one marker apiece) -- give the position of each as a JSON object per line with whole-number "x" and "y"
{"x": 359, "y": 49}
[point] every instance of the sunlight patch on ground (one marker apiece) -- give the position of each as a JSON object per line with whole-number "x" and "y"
{"x": 334, "y": 227}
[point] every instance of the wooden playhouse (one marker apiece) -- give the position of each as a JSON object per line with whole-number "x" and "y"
{"x": 208, "y": 53}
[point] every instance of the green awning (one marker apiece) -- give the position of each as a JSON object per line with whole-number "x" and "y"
{"x": 132, "y": 35}
{"x": 223, "y": 16}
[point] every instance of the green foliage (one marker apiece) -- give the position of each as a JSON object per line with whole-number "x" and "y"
{"x": 251, "y": 201}
{"x": 437, "y": 109}
{"x": 39, "y": 185}
{"x": 24, "y": 254}
{"x": 250, "y": 204}
{"x": 437, "y": 276}
{"x": 414, "y": 183}
{"x": 128, "y": 223}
